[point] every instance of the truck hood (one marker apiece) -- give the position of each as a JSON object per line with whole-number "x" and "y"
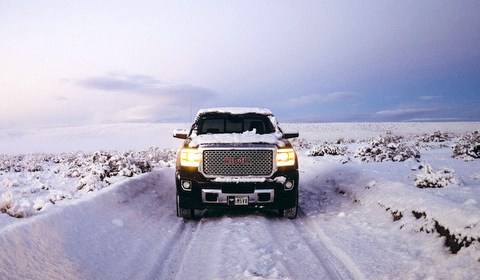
{"x": 248, "y": 137}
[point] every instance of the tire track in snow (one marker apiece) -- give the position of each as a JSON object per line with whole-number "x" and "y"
{"x": 166, "y": 256}
{"x": 260, "y": 245}
{"x": 147, "y": 202}
{"x": 250, "y": 252}
{"x": 156, "y": 199}
{"x": 203, "y": 255}
{"x": 172, "y": 256}
{"x": 215, "y": 249}
{"x": 303, "y": 255}
{"x": 336, "y": 262}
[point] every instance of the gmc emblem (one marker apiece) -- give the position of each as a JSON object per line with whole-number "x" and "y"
{"x": 237, "y": 161}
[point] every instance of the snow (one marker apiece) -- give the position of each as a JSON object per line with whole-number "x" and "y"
{"x": 231, "y": 179}
{"x": 235, "y": 110}
{"x": 32, "y": 182}
{"x": 127, "y": 136}
{"x": 97, "y": 203}
{"x": 236, "y": 138}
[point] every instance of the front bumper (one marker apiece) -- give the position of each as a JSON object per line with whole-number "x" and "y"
{"x": 271, "y": 192}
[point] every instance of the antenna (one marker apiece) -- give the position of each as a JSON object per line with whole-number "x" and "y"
{"x": 191, "y": 102}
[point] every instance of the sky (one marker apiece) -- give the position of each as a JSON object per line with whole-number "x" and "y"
{"x": 75, "y": 63}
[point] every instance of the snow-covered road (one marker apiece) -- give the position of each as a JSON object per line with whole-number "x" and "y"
{"x": 132, "y": 233}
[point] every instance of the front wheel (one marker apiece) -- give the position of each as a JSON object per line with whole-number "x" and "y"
{"x": 184, "y": 213}
{"x": 290, "y": 213}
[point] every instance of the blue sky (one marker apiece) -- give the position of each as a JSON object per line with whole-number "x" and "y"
{"x": 86, "y": 62}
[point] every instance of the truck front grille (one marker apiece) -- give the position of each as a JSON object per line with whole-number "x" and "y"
{"x": 238, "y": 162}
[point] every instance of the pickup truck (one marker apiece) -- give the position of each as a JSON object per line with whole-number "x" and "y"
{"x": 236, "y": 158}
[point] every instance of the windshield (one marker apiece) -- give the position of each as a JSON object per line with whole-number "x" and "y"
{"x": 228, "y": 123}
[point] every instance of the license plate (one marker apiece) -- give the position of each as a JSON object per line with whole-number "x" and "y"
{"x": 238, "y": 200}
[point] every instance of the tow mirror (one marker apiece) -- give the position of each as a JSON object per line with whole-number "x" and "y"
{"x": 180, "y": 134}
{"x": 289, "y": 135}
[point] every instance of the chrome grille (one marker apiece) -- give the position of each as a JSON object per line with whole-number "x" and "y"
{"x": 238, "y": 162}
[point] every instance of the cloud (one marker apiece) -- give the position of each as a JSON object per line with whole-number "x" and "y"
{"x": 143, "y": 84}
{"x": 142, "y": 113}
{"x": 157, "y": 95}
{"x": 437, "y": 119}
{"x": 405, "y": 113}
{"x": 118, "y": 83}
{"x": 324, "y": 98}
{"x": 428, "y": 97}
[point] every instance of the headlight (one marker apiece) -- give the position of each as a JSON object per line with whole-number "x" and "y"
{"x": 189, "y": 157}
{"x": 285, "y": 157}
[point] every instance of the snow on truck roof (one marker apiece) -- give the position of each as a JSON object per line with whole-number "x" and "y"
{"x": 235, "y": 110}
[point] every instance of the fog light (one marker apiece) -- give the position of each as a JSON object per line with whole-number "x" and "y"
{"x": 187, "y": 185}
{"x": 288, "y": 185}
{"x": 263, "y": 197}
{"x": 211, "y": 197}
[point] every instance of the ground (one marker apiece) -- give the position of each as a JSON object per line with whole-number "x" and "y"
{"x": 362, "y": 216}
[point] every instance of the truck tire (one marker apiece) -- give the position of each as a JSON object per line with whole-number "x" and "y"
{"x": 184, "y": 213}
{"x": 290, "y": 213}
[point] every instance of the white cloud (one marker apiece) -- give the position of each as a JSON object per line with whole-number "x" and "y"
{"x": 324, "y": 98}
{"x": 143, "y": 84}
{"x": 428, "y": 97}
{"x": 142, "y": 98}
{"x": 143, "y": 113}
{"x": 404, "y": 112}
{"x": 436, "y": 119}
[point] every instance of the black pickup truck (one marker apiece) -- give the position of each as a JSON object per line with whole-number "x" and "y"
{"x": 236, "y": 158}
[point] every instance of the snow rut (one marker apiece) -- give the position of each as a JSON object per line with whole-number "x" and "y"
{"x": 246, "y": 245}
{"x": 337, "y": 263}
{"x": 166, "y": 264}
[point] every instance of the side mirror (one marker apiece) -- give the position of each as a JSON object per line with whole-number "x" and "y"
{"x": 180, "y": 134}
{"x": 290, "y": 135}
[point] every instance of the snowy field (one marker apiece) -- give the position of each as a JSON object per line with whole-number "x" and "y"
{"x": 377, "y": 201}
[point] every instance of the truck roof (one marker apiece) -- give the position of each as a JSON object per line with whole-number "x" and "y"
{"x": 236, "y": 111}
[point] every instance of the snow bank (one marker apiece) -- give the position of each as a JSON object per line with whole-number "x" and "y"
{"x": 397, "y": 183}
{"x": 29, "y": 183}
{"x": 107, "y": 235}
